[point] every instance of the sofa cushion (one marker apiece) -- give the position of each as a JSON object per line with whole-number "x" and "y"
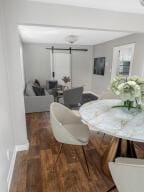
{"x": 39, "y": 91}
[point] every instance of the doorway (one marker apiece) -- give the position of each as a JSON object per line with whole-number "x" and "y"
{"x": 61, "y": 66}
{"x": 122, "y": 60}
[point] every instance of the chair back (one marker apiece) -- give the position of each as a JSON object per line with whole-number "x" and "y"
{"x": 128, "y": 175}
{"x": 59, "y": 116}
{"x": 73, "y": 97}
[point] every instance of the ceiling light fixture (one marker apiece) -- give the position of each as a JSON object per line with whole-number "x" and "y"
{"x": 142, "y": 2}
{"x": 71, "y": 39}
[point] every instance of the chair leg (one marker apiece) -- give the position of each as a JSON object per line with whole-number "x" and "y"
{"x": 60, "y": 149}
{"x": 84, "y": 154}
{"x": 114, "y": 187}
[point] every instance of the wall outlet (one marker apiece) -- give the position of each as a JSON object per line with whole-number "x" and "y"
{"x": 8, "y": 154}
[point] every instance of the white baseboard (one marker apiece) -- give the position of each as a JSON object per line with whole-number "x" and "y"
{"x": 12, "y": 163}
{"x": 17, "y": 148}
{"x": 24, "y": 147}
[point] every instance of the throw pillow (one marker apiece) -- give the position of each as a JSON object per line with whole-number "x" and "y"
{"x": 39, "y": 91}
{"x": 37, "y": 83}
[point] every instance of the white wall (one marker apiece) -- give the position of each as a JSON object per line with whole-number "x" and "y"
{"x": 29, "y": 12}
{"x": 37, "y": 63}
{"x": 15, "y": 77}
{"x": 101, "y": 83}
{"x": 6, "y": 130}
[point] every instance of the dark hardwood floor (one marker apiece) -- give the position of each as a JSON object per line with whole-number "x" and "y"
{"x": 34, "y": 169}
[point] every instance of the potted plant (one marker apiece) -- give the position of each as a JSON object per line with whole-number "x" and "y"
{"x": 66, "y": 80}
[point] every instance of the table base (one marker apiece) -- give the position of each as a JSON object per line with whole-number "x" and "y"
{"x": 117, "y": 148}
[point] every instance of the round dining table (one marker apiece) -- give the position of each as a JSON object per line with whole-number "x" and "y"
{"x": 125, "y": 126}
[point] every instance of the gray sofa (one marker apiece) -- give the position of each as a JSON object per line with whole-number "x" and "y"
{"x": 35, "y": 103}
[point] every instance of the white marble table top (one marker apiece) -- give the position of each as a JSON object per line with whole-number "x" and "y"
{"x": 118, "y": 122}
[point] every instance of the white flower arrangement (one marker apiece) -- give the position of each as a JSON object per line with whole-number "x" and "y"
{"x": 129, "y": 89}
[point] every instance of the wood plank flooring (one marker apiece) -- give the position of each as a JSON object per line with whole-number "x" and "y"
{"x": 34, "y": 169}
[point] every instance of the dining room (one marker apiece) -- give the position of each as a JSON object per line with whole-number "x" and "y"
{"x": 99, "y": 149}
{"x": 84, "y": 138}
{"x": 72, "y": 94}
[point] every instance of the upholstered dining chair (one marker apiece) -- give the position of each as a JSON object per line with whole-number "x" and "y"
{"x": 128, "y": 174}
{"x": 73, "y": 97}
{"x": 68, "y": 128}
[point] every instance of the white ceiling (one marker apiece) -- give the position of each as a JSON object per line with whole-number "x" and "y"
{"x": 49, "y": 35}
{"x": 130, "y": 6}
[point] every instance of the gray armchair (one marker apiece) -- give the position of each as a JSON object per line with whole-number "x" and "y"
{"x": 73, "y": 97}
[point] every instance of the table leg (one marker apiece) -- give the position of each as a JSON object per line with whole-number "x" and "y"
{"x": 110, "y": 154}
{"x": 131, "y": 149}
{"x": 117, "y": 148}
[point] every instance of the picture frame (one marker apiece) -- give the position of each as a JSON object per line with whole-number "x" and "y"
{"x": 99, "y": 66}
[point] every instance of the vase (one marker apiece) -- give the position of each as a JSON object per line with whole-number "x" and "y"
{"x": 129, "y": 104}
{"x": 66, "y": 87}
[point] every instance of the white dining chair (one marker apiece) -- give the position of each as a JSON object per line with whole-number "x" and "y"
{"x": 128, "y": 174}
{"x": 68, "y": 128}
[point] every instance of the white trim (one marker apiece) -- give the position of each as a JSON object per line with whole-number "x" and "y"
{"x": 24, "y": 147}
{"x": 115, "y": 56}
{"x": 12, "y": 163}
{"x": 17, "y": 148}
